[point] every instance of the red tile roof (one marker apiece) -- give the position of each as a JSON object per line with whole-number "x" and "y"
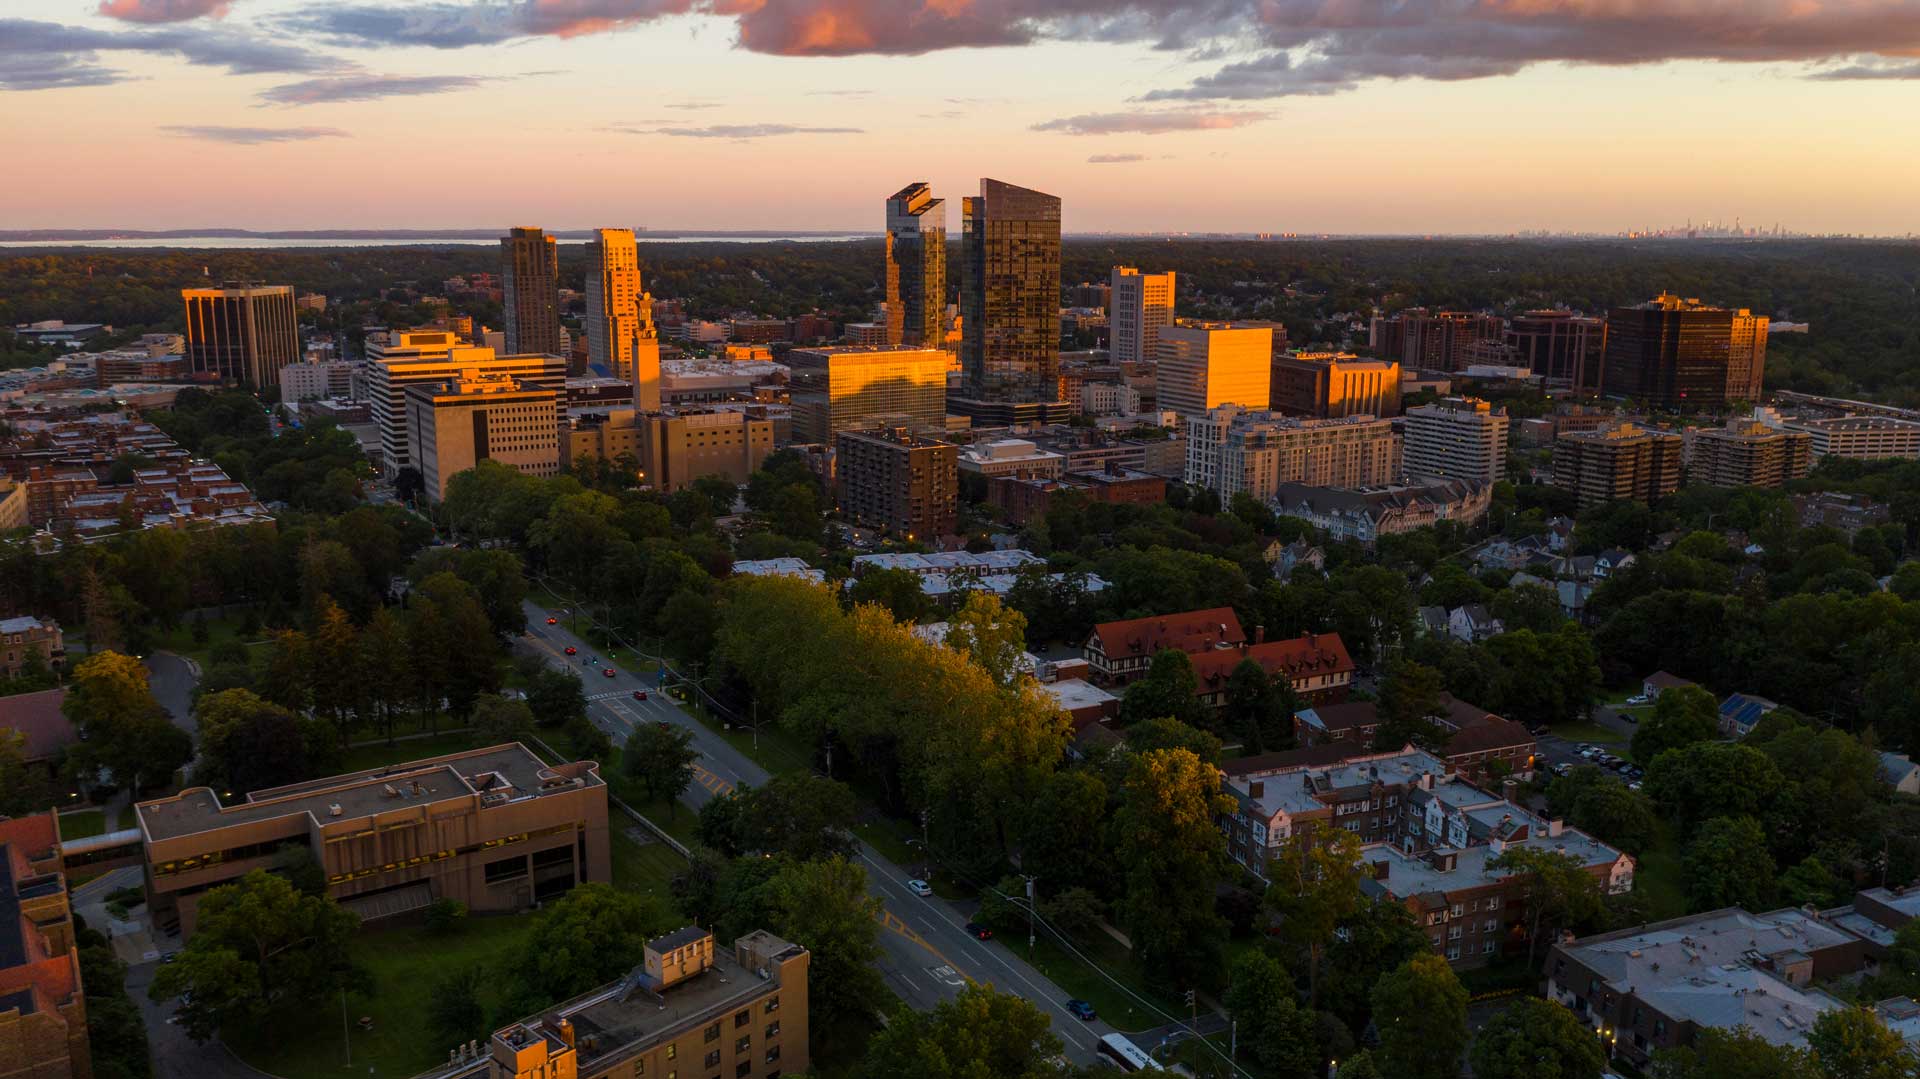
{"x": 38, "y": 716}
{"x": 1302, "y": 657}
{"x": 1191, "y": 631}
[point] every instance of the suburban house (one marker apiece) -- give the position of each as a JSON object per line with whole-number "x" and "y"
{"x": 1480, "y": 745}
{"x": 1120, "y": 652}
{"x": 1473, "y": 623}
{"x": 1611, "y": 561}
{"x": 1287, "y": 557}
{"x": 1659, "y": 682}
{"x": 1316, "y": 666}
{"x": 1898, "y": 771}
{"x": 1571, "y": 595}
{"x": 1433, "y": 620}
{"x": 1740, "y": 712}
{"x": 1560, "y": 535}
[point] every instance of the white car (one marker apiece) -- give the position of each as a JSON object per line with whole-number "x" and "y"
{"x": 1639, "y": 699}
{"x": 920, "y": 887}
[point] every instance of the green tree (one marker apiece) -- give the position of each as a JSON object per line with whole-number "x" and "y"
{"x": 1617, "y": 815}
{"x": 995, "y": 636}
{"x": 590, "y": 936}
{"x": 496, "y": 719}
{"x": 1315, "y": 886}
{"x": 1681, "y": 717}
{"x": 1169, "y": 689}
{"x": 1258, "y": 709}
{"x": 1559, "y": 891}
{"x": 456, "y": 1013}
{"x": 1811, "y": 883}
{"x": 1166, "y": 733}
{"x": 796, "y": 814}
{"x": 1421, "y": 1012}
{"x": 258, "y": 943}
{"x": 1060, "y": 837}
{"x": 897, "y": 590}
{"x": 1410, "y": 698}
{"x": 1537, "y": 1039}
{"x": 980, "y": 1034}
{"x": 586, "y": 741}
{"x": 1741, "y": 1053}
{"x": 250, "y": 744}
{"x": 1711, "y": 779}
{"x": 1375, "y": 939}
{"x": 1728, "y": 865}
{"x": 823, "y": 906}
{"x": 1274, "y": 1030}
{"x": 23, "y": 787}
{"x": 556, "y": 698}
{"x": 1852, "y": 1043}
{"x": 660, "y": 756}
{"x": 1171, "y": 855}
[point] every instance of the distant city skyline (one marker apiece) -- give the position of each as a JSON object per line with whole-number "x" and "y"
{"x": 1560, "y": 116}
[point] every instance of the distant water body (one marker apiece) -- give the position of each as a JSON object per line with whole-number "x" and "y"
{"x": 271, "y": 243}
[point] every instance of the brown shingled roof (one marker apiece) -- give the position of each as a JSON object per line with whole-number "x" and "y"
{"x": 38, "y": 716}
{"x": 1315, "y": 653}
{"x": 1189, "y": 631}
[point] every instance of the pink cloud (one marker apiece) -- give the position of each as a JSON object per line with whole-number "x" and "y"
{"x": 162, "y": 10}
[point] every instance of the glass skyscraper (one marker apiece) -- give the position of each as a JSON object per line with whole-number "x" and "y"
{"x": 916, "y": 268}
{"x": 1010, "y": 294}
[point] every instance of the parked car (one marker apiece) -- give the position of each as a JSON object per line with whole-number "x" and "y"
{"x": 920, "y": 887}
{"x": 1638, "y": 698}
{"x": 980, "y": 932}
{"x": 1629, "y": 717}
{"x": 1563, "y": 769}
{"x": 1081, "y": 1010}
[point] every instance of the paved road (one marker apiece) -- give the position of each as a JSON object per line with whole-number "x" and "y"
{"x": 172, "y": 679}
{"x": 928, "y": 954}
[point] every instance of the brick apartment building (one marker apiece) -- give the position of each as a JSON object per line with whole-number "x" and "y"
{"x": 495, "y": 828}
{"x": 43, "y": 1010}
{"x": 1120, "y": 652}
{"x": 688, "y": 1010}
{"x": 1479, "y": 743}
{"x": 1023, "y": 499}
{"x": 1316, "y": 666}
{"x": 898, "y": 482}
{"x": 24, "y": 635}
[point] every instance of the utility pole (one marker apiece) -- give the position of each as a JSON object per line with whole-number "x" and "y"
{"x": 756, "y": 724}
{"x": 345, "y": 1037}
{"x": 1031, "y": 904}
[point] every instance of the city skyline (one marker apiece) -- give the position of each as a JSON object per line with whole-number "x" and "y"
{"x": 1232, "y": 117}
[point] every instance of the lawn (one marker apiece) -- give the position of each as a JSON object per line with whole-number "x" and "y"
{"x": 404, "y": 961}
{"x": 380, "y": 755}
{"x": 1588, "y": 732}
{"x": 81, "y": 824}
{"x": 178, "y": 638}
{"x": 1079, "y": 980}
{"x": 642, "y": 867}
{"x": 1661, "y": 877}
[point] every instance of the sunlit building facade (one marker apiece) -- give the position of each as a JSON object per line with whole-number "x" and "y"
{"x": 1139, "y": 306}
{"x": 916, "y": 268}
{"x": 242, "y": 333}
{"x": 844, "y": 389}
{"x": 1204, "y": 365}
{"x": 531, "y": 279}
{"x": 1010, "y": 294}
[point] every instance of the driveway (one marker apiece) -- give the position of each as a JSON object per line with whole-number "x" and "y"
{"x": 176, "y": 1056}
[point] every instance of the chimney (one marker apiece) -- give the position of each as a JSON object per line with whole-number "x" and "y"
{"x": 1259, "y": 635}
{"x": 1555, "y": 828}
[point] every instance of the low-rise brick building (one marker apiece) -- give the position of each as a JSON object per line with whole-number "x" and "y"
{"x": 43, "y": 1010}
{"x": 1480, "y": 745}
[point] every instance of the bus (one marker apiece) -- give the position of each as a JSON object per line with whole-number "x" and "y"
{"x": 1117, "y": 1052}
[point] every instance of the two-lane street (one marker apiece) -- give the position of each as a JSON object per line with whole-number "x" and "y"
{"x": 928, "y": 953}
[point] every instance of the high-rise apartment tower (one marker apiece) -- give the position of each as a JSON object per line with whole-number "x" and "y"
{"x": 1010, "y": 294}
{"x": 619, "y": 311}
{"x": 1139, "y": 305}
{"x": 531, "y": 280}
{"x": 916, "y": 268}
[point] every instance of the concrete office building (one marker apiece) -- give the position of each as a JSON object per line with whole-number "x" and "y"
{"x": 1862, "y": 438}
{"x": 619, "y": 311}
{"x": 1674, "y": 352}
{"x": 897, "y": 482}
{"x": 916, "y": 268}
{"x": 1560, "y": 346}
{"x": 476, "y": 417}
{"x": 1204, "y": 365}
{"x": 1332, "y": 385}
{"x": 843, "y": 389}
{"x": 495, "y": 828}
{"x": 1613, "y": 464}
{"x": 682, "y": 445}
{"x": 530, "y": 278}
{"x": 1009, "y": 296}
{"x": 242, "y": 333}
{"x": 1016, "y": 457}
{"x": 1232, "y": 449}
{"x": 1140, "y": 305}
{"x": 311, "y": 381}
{"x": 43, "y": 1007}
{"x": 1746, "y": 453}
{"x": 402, "y": 358}
{"x": 1457, "y": 438}
{"x": 688, "y": 1009}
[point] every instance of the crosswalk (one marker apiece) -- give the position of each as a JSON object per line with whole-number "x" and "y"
{"x": 608, "y": 696}
{"x": 710, "y": 781}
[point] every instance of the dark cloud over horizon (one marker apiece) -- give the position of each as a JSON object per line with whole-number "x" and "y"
{"x": 37, "y": 55}
{"x": 339, "y": 88}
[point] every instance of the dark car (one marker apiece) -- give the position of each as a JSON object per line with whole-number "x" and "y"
{"x": 980, "y": 932}
{"x": 1080, "y": 1009}
{"x": 608, "y": 672}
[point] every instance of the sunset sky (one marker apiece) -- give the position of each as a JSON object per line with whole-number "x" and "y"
{"x": 1355, "y": 116}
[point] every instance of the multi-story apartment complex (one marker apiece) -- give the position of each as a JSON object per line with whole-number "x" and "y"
{"x": 1010, "y": 295}
{"x": 1680, "y": 353}
{"x": 530, "y": 276}
{"x": 1611, "y": 464}
{"x": 619, "y": 310}
{"x": 476, "y": 417}
{"x": 1204, "y": 365}
{"x": 13, "y": 504}
{"x": 1481, "y": 746}
{"x": 1334, "y": 385}
{"x": 898, "y": 482}
{"x": 1457, "y": 438}
{"x": 1426, "y": 340}
{"x": 681, "y": 445}
{"x": 1863, "y": 438}
{"x": 1023, "y": 499}
{"x": 1560, "y": 346}
{"x": 241, "y": 332}
{"x": 1119, "y": 653}
{"x": 844, "y": 389}
{"x": 916, "y": 268}
{"x": 312, "y": 381}
{"x": 1231, "y": 449}
{"x": 1365, "y": 514}
{"x": 43, "y": 1007}
{"x": 496, "y": 828}
{"x": 1139, "y": 306}
{"x": 689, "y": 1009}
{"x": 407, "y": 357}
{"x": 26, "y": 635}
{"x": 1746, "y": 453}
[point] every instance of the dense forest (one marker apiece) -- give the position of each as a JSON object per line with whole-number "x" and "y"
{"x": 1862, "y": 298}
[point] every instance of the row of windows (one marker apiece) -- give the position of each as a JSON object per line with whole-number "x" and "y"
{"x": 439, "y": 855}
{"x": 230, "y": 854}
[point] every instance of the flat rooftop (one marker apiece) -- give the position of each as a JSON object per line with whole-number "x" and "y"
{"x": 625, "y": 1021}
{"x": 1411, "y": 875}
{"x": 511, "y": 769}
{"x": 1293, "y": 789}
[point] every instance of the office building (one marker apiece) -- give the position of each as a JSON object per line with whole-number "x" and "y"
{"x": 1140, "y": 305}
{"x": 1861, "y": 438}
{"x": 312, "y": 381}
{"x": 1232, "y": 450}
{"x": 1016, "y": 457}
{"x": 530, "y": 275}
{"x": 1423, "y": 340}
{"x": 682, "y": 445}
{"x": 916, "y": 268}
{"x": 242, "y": 333}
{"x": 1615, "y": 464}
{"x": 43, "y": 1007}
{"x": 898, "y": 482}
{"x": 1457, "y": 438}
{"x": 1204, "y": 365}
{"x": 24, "y": 635}
{"x": 401, "y": 358}
{"x": 842, "y": 389}
{"x": 689, "y": 1009}
{"x": 1332, "y": 385}
{"x": 497, "y": 829}
{"x": 1746, "y": 453}
{"x": 1672, "y": 352}
{"x": 1010, "y": 295}
{"x": 477, "y": 416}
{"x": 1560, "y": 346}
{"x": 619, "y": 311}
